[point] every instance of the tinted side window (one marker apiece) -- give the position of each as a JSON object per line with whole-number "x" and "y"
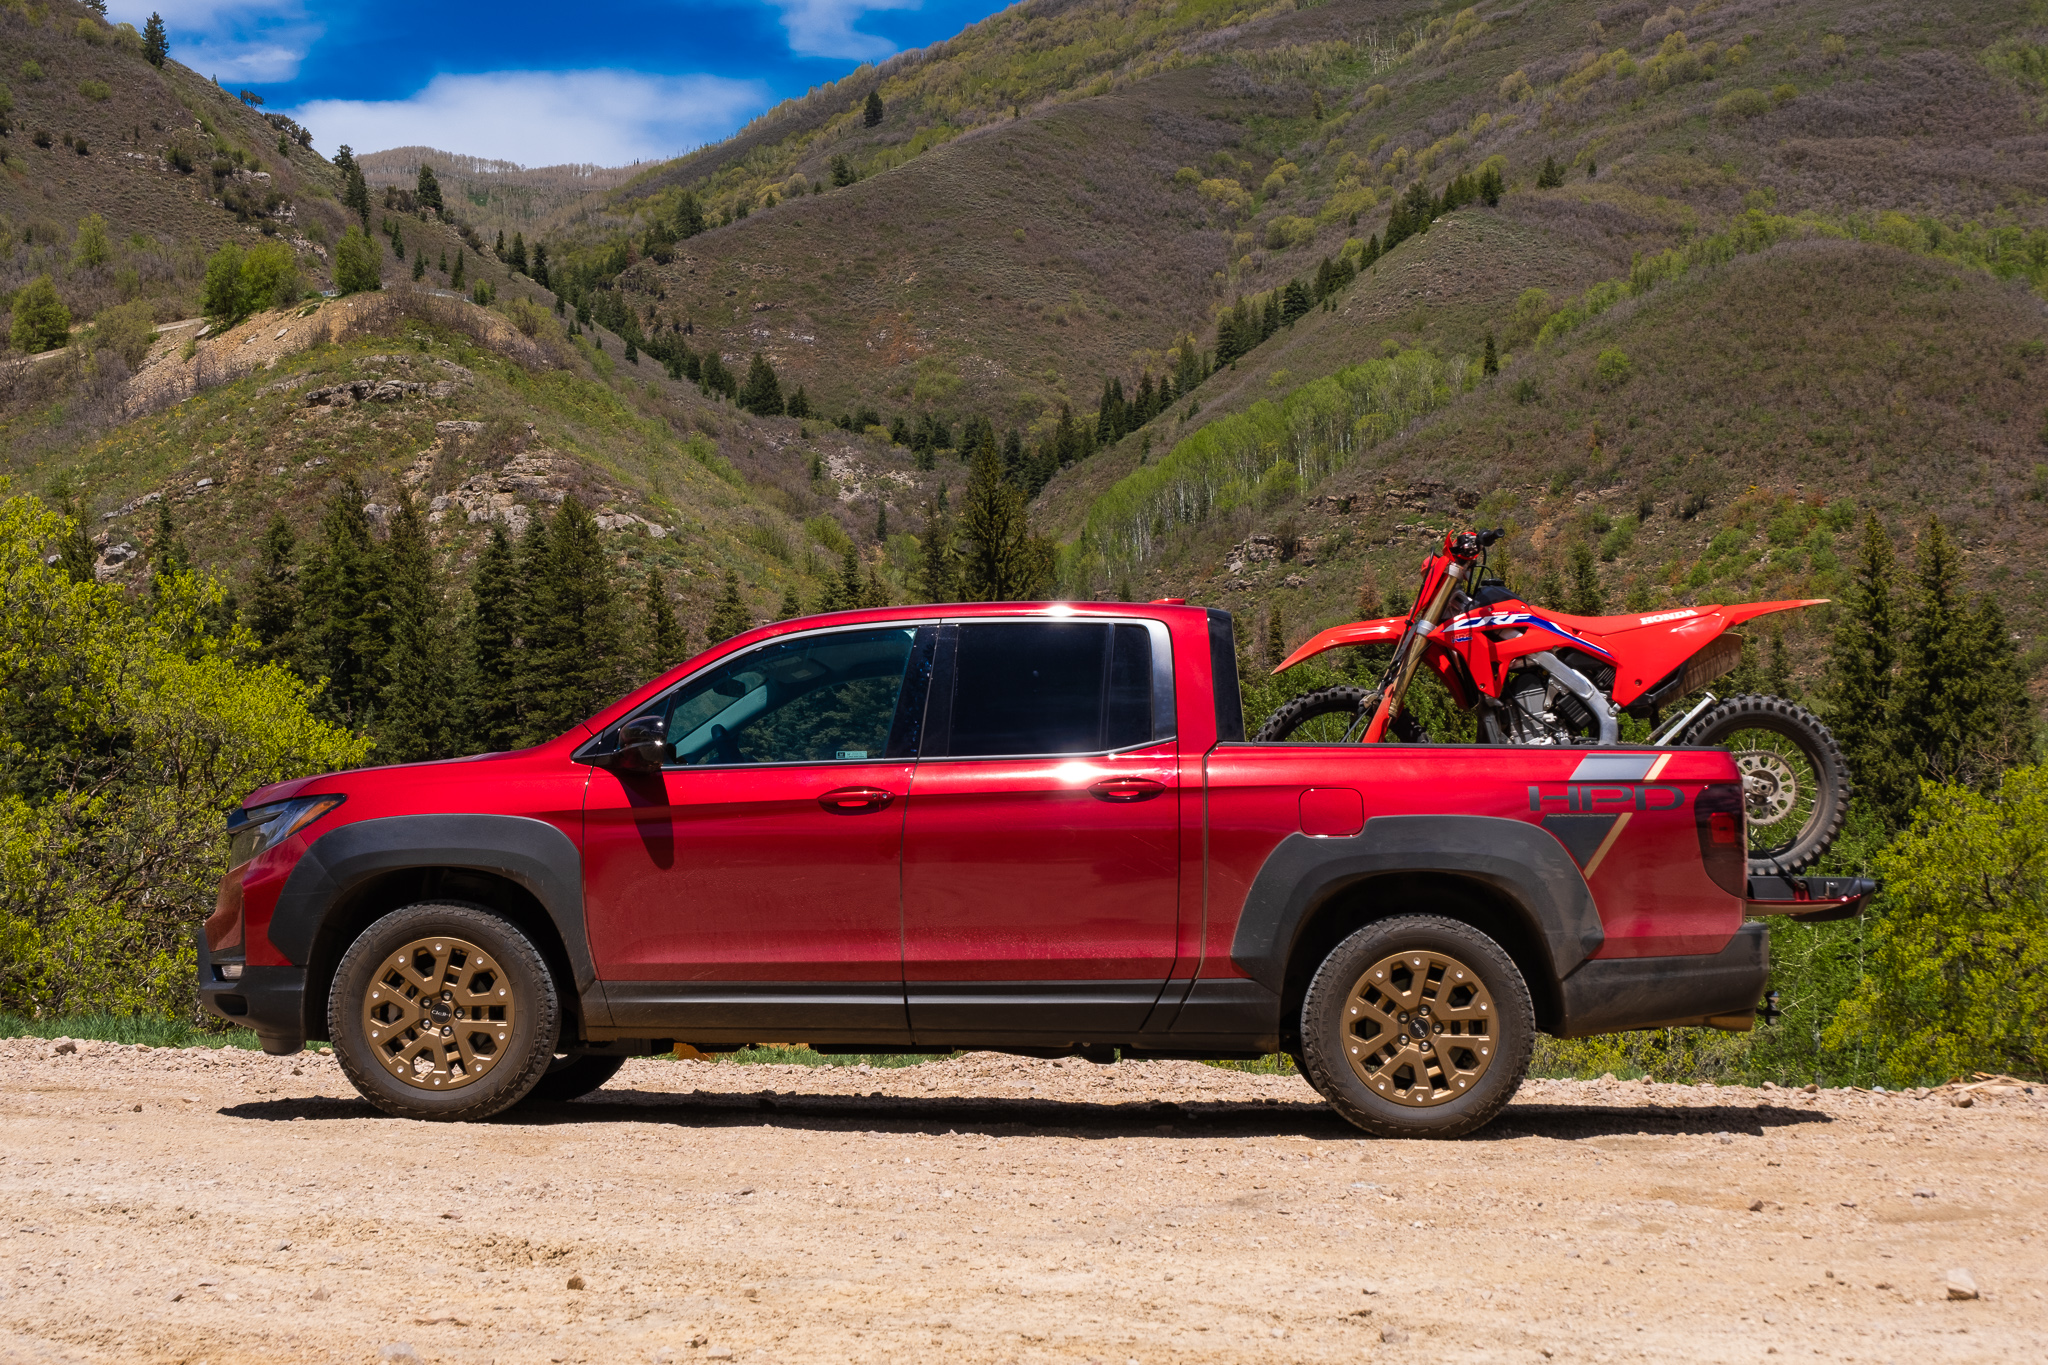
{"x": 1050, "y": 687}
{"x": 814, "y": 699}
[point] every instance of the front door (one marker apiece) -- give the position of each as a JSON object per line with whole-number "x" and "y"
{"x": 753, "y": 884}
{"x": 1041, "y": 851}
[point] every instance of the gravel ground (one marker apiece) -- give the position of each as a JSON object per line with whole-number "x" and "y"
{"x": 225, "y": 1207}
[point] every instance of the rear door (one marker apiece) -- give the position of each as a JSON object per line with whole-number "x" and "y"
{"x": 1041, "y": 845}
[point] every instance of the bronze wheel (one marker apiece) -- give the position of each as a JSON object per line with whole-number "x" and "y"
{"x": 1421, "y": 1028}
{"x": 438, "y": 1012}
{"x": 443, "y": 1011}
{"x": 1418, "y": 1026}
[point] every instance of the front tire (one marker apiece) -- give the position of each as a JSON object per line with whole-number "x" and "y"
{"x": 1795, "y": 782}
{"x": 443, "y": 1011}
{"x": 1418, "y": 1027}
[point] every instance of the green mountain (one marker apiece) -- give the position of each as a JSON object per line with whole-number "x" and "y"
{"x": 1748, "y": 272}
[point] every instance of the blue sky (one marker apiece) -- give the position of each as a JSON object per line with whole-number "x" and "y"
{"x": 538, "y": 84}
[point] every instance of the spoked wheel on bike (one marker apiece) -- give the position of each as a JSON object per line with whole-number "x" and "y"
{"x": 1333, "y": 715}
{"x": 1795, "y": 783}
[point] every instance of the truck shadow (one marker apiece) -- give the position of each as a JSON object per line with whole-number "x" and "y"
{"x": 1310, "y": 1118}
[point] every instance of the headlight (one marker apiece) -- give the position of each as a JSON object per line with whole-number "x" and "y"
{"x": 261, "y": 828}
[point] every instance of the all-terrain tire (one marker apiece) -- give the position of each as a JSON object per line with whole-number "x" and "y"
{"x": 1434, "y": 1053}
{"x": 1772, "y": 778}
{"x": 1292, "y": 721}
{"x": 443, "y": 1011}
{"x": 573, "y": 1076}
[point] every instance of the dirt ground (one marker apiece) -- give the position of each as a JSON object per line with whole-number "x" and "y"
{"x": 226, "y": 1207}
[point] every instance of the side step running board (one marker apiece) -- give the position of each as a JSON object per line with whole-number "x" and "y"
{"x": 1810, "y": 900}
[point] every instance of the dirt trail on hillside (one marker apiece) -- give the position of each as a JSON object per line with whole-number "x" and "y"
{"x": 228, "y": 1207}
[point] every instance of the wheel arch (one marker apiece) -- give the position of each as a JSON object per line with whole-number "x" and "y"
{"x": 525, "y": 870}
{"x": 1509, "y": 879}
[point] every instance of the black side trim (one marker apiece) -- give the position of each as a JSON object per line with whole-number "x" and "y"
{"x": 532, "y": 853}
{"x": 1029, "y": 1011}
{"x": 753, "y": 1011}
{"x": 1519, "y": 860}
{"x": 269, "y": 1000}
{"x": 1223, "y": 669}
{"x": 1245, "y": 1012}
{"x": 1609, "y": 995}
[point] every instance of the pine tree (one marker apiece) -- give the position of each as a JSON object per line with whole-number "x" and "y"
{"x": 1294, "y": 303}
{"x": 790, "y": 608}
{"x": 881, "y": 521}
{"x": 843, "y": 593}
{"x": 937, "y": 581}
{"x": 356, "y": 193}
{"x": 1490, "y": 363}
{"x": 517, "y": 260}
{"x": 1962, "y": 706}
{"x": 539, "y": 270}
{"x": 576, "y": 642}
{"x": 872, "y": 114}
{"x": 156, "y": 44}
{"x": 1551, "y": 176}
{"x": 1001, "y": 561}
{"x": 665, "y": 640}
{"x": 1276, "y": 636}
{"x": 455, "y": 276}
{"x": 499, "y": 249}
{"x": 273, "y": 613}
{"x": 419, "y": 265}
{"x": 74, "y": 546}
{"x": 428, "y": 193}
{"x": 729, "y": 615}
{"x": 343, "y": 601}
{"x": 689, "y": 219}
{"x": 418, "y": 719}
{"x": 1585, "y": 597}
{"x": 761, "y": 394}
{"x": 799, "y": 403}
{"x": 493, "y": 680}
{"x": 168, "y": 556}
{"x": 1860, "y": 702}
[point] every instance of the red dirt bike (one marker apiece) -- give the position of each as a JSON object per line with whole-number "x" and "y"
{"x": 1542, "y": 677}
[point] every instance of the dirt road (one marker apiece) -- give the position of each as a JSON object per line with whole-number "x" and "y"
{"x": 227, "y": 1207}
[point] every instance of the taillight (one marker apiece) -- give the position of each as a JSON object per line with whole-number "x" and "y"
{"x": 1724, "y": 843}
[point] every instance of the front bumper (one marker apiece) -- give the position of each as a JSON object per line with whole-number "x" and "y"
{"x": 270, "y": 1000}
{"x": 1722, "y": 990}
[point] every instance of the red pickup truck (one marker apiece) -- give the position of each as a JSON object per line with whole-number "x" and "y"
{"x": 1033, "y": 828}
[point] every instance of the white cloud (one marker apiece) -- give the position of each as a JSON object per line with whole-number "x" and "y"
{"x": 824, "y": 28}
{"x": 544, "y": 118}
{"x": 237, "y": 41}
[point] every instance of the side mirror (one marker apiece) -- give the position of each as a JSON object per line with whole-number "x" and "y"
{"x": 643, "y": 746}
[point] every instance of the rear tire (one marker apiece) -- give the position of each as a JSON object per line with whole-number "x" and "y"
{"x": 572, "y": 1077}
{"x": 443, "y": 1011}
{"x": 1324, "y": 716}
{"x": 1795, "y": 782}
{"x": 1418, "y": 1027}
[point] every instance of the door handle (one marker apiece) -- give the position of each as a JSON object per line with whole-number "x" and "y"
{"x": 1126, "y": 789}
{"x": 855, "y": 800}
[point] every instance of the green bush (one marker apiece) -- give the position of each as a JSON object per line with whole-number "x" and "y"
{"x": 128, "y": 727}
{"x": 1740, "y": 104}
{"x": 128, "y": 330}
{"x": 1612, "y": 369}
{"x": 96, "y": 91}
{"x": 1956, "y": 973}
{"x": 220, "y": 297}
{"x": 41, "y": 321}
{"x": 1285, "y": 232}
{"x": 359, "y": 264}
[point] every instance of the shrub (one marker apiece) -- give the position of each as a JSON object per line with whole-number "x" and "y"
{"x": 270, "y": 277}
{"x": 1524, "y": 391}
{"x": 41, "y": 321}
{"x": 31, "y": 71}
{"x": 1187, "y": 175}
{"x": 359, "y": 264}
{"x": 1515, "y": 87}
{"x": 1286, "y": 232}
{"x": 220, "y": 298}
{"x": 1784, "y": 94}
{"x": 1532, "y": 310}
{"x": 1957, "y": 954}
{"x": 92, "y": 249}
{"x": 1612, "y": 369}
{"x": 96, "y": 91}
{"x": 1741, "y": 104}
{"x": 128, "y": 330}
{"x": 1375, "y": 96}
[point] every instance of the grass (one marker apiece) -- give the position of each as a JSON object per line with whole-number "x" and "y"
{"x": 149, "y": 1030}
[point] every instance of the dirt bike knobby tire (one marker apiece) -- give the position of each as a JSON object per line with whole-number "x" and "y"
{"x": 1815, "y": 743}
{"x": 1311, "y": 705}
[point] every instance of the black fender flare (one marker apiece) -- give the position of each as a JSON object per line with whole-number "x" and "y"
{"x": 532, "y": 853}
{"x": 1521, "y": 862}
